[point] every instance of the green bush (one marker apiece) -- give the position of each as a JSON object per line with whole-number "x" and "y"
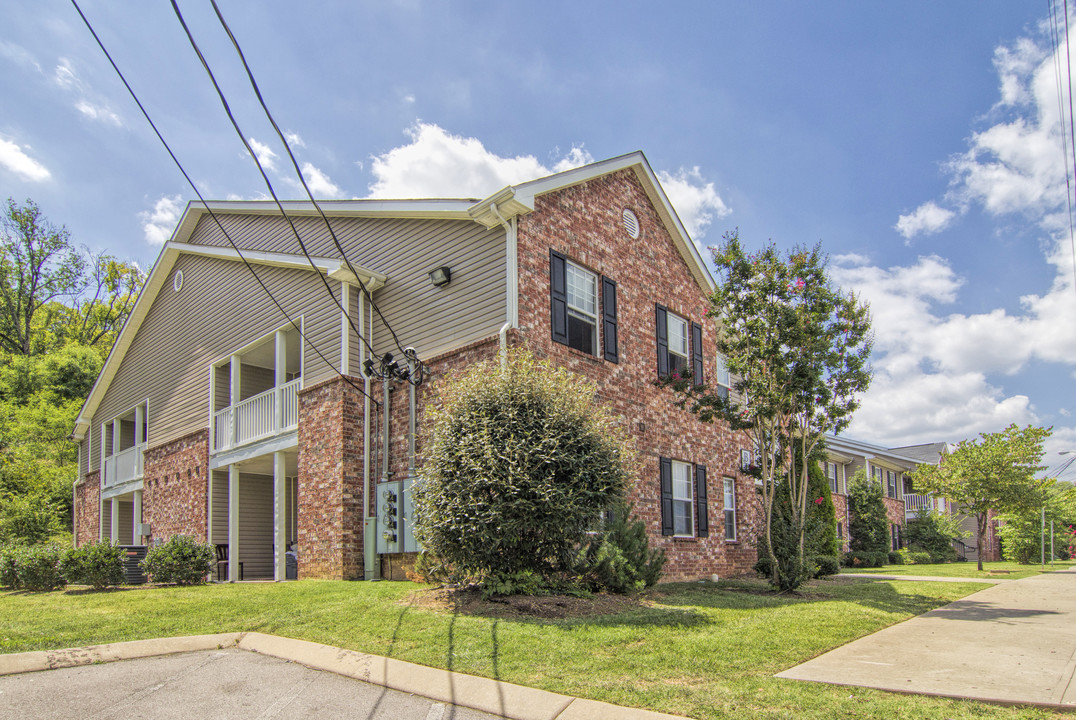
{"x": 9, "y": 572}
{"x": 868, "y": 525}
{"x": 912, "y": 556}
{"x": 99, "y": 565}
{"x": 825, "y": 565}
{"x": 28, "y": 519}
{"x": 933, "y": 533}
{"x": 518, "y": 464}
{"x": 859, "y": 558}
{"x": 37, "y": 567}
{"x": 180, "y": 560}
{"x": 618, "y": 558}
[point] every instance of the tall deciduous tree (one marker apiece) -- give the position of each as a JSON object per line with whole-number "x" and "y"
{"x": 996, "y": 472}
{"x": 798, "y": 350}
{"x": 38, "y": 266}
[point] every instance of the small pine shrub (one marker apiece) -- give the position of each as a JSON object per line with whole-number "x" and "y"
{"x": 181, "y": 560}
{"x": 99, "y": 565}
{"x": 37, "y": 567}
{"x": 619, "y": 559}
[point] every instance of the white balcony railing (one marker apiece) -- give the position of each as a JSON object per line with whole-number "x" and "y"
{"x": 124, "y": 466}
{"x": 256, "y": 418}
{"x": 916, "y": 505}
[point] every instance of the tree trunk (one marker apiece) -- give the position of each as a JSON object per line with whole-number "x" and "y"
{"x": 980, "y": 526}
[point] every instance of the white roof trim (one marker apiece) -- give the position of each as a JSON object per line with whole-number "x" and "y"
{"x": 882, "y": 455}
{"x": 519, "y": 199}
{"x": 333, "y": 267}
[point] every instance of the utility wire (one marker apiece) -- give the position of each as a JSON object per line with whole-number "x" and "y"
{"x": 299, "y": 173}
{"x": 213, "y": 215}
{"x": 265, "y": 177}
{"x": 1072, "y": 130}
{"x": 1065, "y": 122}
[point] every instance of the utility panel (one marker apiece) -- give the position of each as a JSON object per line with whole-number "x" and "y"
{"x": 395, "y": 530}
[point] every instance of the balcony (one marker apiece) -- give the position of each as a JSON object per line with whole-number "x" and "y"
{"x": 124, "y": 466}
{"x": 258, "y": 417}
{"x": 916, "y": 505}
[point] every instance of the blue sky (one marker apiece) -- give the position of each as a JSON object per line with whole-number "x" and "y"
{"x": 919, "y": 142}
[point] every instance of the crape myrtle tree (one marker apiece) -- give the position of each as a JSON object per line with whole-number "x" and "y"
{"x": 797, "y": 348}
{"x": 997, "y": 471}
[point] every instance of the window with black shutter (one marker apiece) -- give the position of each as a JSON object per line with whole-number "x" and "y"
{"x": 574, "y": 307}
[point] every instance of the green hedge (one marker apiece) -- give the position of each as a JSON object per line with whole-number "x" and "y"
{"x": 181, "y": 560}
{"x": 99, "y": 565}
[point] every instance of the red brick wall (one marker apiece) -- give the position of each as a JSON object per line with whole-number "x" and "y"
{"x": 88, "y": 509}
{"x": 840, "y": 509}
{"x": 330, "y": 521}
{"x": 894, "y": 512}
{"x": 584, "y": 223}
{"x": 175, "y": 497}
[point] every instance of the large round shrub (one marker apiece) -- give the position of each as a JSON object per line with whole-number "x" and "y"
{"x": 518, "y": 464}
{"x": 180, "y": 560}
{"x": 98, "y": 564}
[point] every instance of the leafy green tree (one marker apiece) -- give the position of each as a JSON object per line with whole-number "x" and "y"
{"x": 996, "y": 472}
{"x": 822, "y": 514}
{"x": 868, "y": 523}
{"x": 1022, "y": 533}
{"x": 798, "y": 349}
{"x": 519, "y": 463}
{"x": 933, "y": 532}
{"x": 38, "y": 265}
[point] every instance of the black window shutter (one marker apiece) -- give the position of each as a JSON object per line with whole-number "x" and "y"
{"x": 696, "y": 353}
{"x": 700, "y": 501}
{"x": 661, "y": 325}
{"x": 665, "y": 465}
{"x": 558, "y": 296}
{"x": 609, "y": 319}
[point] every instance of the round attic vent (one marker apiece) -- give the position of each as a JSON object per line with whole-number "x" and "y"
{"x": 631, "y": 224}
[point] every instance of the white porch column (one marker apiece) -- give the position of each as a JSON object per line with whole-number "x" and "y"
{"x": 279, "y": 518}
{"x": 140, "y": 418}
{"x": 116, "y": 429}
{"x": 136, "y": 518}
{"x": 280, "y": 377}
{"x": 233, "y": 522}
{"x": 236, "y": 371}
{"x": 114, "y": 536}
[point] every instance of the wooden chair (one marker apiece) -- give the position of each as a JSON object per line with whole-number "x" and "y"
{"x": 222, "y": 559}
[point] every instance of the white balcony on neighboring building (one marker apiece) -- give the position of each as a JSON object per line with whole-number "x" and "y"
{"x": 916, "y": 505}
{"x": 124, "y": 467}
{"x": 254, "y": 393}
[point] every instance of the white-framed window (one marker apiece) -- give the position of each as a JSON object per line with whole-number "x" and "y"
{"x": 582, "y": 291}
{"x": 721, "y": 376}
{"x": 730, "y": 509}
{"x": 745, "y": 460}
{"x": 678, "y": 342}
{"x": 683, "y": 496}
{"x": 832, "y": 473}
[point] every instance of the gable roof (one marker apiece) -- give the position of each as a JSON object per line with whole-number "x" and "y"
{"x": 508, "y": 202}
{"x": 846, "y": 447}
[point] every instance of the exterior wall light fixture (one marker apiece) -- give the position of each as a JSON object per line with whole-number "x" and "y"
{"x": 441, "y": 276}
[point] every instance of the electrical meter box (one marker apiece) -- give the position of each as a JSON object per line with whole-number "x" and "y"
{"x": 395, "y": 529}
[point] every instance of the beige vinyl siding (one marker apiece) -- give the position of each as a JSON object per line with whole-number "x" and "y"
{"x": 256, "y": 525}
{"x": 83, "y": 457}
{"x": 219, "y": 310}
{"x": 219, "y": 518}
{"x": 432, "y": 320}
{"x": 126, "y": 536}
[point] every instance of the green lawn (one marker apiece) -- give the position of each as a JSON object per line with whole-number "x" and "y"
{"x": 1000, "y": 570}
{"x": 699, "y": 650}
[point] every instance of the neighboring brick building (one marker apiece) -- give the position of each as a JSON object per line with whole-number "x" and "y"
{"x": 253, "y": 422}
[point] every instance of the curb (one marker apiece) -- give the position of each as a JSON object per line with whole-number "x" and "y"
{"x": 508, "y": 700}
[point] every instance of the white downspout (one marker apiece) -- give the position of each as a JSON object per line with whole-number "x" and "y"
{"x": 511, "y": 280}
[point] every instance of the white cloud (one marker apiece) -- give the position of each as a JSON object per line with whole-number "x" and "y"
{"x": 927, "y": 219}
{"x": 64, "y": 75}
{"x": 19, "y": 55}
{"x": 264, "y": 153}
{"x": 15, "y": 159}
{"x": 436, "y": 163}
{"x": 695, "y": 200}
{"x": 93, "y": 112}
{"x": 294, "y": 139}
{"x": 158, "y": 223}
{"x": 319, "y": 183}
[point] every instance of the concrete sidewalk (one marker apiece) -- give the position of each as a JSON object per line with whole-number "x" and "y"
{"x": 250, "y": 691}
{"x": 1014, "y": 642}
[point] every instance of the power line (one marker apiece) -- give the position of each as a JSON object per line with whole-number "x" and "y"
{"x": 265, "y": 177}
{"x": 299, "y": 173}
{"x": 213, "y": 215}
{"x": 1064, "y": 133}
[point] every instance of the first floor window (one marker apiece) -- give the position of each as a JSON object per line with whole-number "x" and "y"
{"x": 683, "y": 499}
{"x": 840, "y": 531}
{"x": 730, "y": 509}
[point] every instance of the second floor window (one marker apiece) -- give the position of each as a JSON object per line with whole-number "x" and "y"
{"x": 582, "y": 288}
{"x": 679, "y": 344}
{"x": 576, "y": 312}
{"x": 831, "y": 474}
{"x": 721, "y": 377}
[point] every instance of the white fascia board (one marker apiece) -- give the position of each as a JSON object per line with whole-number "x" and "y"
{"x": 333, "y": 267}
{"x": 434, "y": 209}
{"x": 878, "y": 455}
{"x": 525, "y": 193}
